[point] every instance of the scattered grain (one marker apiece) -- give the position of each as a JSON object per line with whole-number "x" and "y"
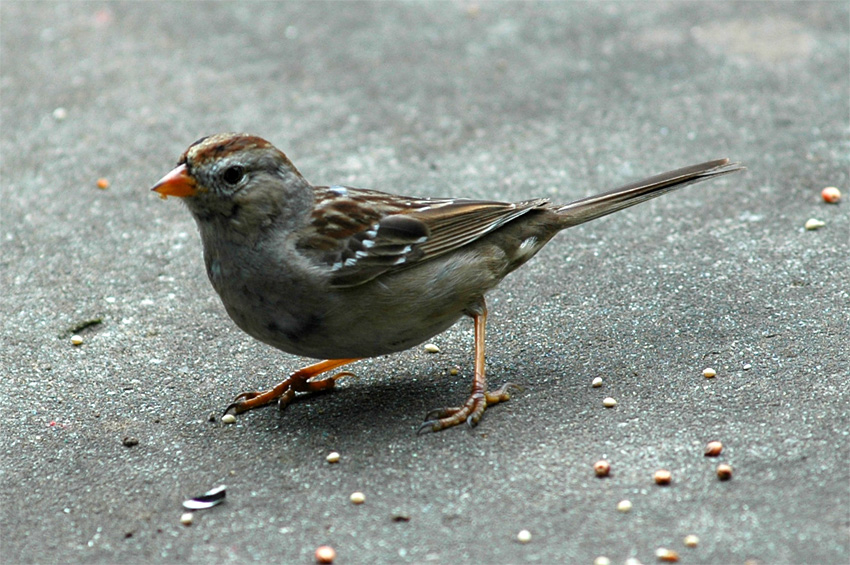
{"x": 713, "y": 448}
{"x": 724, "y": 472}
{"x": 431, "y": 348}
{"x": 333, "y": 457}
{"x": 325, "y": 554}
{"x": 691, "y": 540}
{"x": 709, "y": 373}
{"x": 187, "y": 518}
{"x": 666, "y": 555}
{"x": 76, "y": 340}
{"x": 624, "y": 506}
{"x": 357, "y": 497}
{"x": 602, "y": 468}
{"x": 663, "y": 477}
{"x": 524, "y": 536}
{"x": 609, "y": 402}
{"x": 102, "y": 183}
{"x": 228, "y": 419}
{"x": 596, "y": 382}
{"x": 814, "y": 224}
{"x": 831, "y": 195}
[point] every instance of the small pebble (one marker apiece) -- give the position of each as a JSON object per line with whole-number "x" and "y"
{"x": 724, "y": 472}
{"x": 76, "y": 340}
{"x": 453, "y": 371}
{"x": 602, "y": 468}
{"x": 831, "y": 195}
{"x": 102, "y": 183}
{"x": 228, "y": 419}
{"x": 333, "y": 457}
{"x": 130, "y": 441}
{"x": 60, "y": 114}
{"x": 524, "y": 536}
{"x": 624, "y": 506}
{"x": 709, "y": 373}
{"x": 814, "y": 224}
{"x": 325, "y": 554}
{"x": 713, "y": 448}
{"x": 609, "y": 402}
{"x": 601, "y": 560}
{"x": 691, "y": 540}
{"x": 187, "y": 518}
{"x": 663, "y": 477}
{"x": 666, "y": 555}
{"x": 431, "y": 348}
{"x": 357, "y": 497}
{"x": 596, "y": 382}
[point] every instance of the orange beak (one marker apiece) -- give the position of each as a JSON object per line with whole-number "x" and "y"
{"x": 176, "y": 183}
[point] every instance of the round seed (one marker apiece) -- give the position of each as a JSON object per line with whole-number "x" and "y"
{"x": 609, "y": 402}
{"x": 187, "y": 518}
{"x": 524, "y": 536}
{"x": 325, "y": 554}
{"x": 709, "y": 373}
{"x": 691, "y": 540}
{"x": 831, "y": 195}
{"x": 601, "y": 560}
{"x": 663, "y": 477}
{"x": 624, "y": 506}
{"x": 102, "y": 183}
{"x": 602, "y": 468}
{"x": 724, "y": 472}
{"x": 228, "y": 419}
{"x": 596, "y": 382}
{"x": 431, "y": 348}
{"x": 76, "y": 340}
{"x": 60, "y": 114}
{"x": 453, "y": 371}
{"x": 357, "y": 497}
{"x": 333, "y": 457}
{"x": 713, "y": 448}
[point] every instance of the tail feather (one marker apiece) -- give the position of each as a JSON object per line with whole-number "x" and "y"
{"x": 612, "y": 201}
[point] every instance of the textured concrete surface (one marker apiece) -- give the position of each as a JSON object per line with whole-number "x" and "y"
{"x": 491, "y": 100}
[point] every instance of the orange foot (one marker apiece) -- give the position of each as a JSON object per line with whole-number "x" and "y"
{"x": 284, "y": 392}
{"x": 470, "y": 412}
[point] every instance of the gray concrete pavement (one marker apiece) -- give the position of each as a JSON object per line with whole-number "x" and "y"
{"x": 490, "y": 100}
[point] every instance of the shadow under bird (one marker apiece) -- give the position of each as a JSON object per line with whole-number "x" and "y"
{"x": 340, "y": 273}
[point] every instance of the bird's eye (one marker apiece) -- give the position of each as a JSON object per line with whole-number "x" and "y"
{"x": 232, "y": 175}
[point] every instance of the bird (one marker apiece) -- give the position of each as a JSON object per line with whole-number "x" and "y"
{"x": 339, "y": 274}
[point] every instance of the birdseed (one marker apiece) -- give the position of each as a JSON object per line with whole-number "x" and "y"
{"x": 709, "y": 373}
{"x": 187, "y": 518}
{"x": 357, "y": 497}
{"x": 601, "y": 560}
{"x": 102, "y": 183}
{"x": 713, "y": 448}
{"x": 831, "y": 195}
{"x": 609, "y": 402}
{"x": 691, "y": 540}
{"x": 76, "y": 340}
{"x": 663, "y": 477}
{"x": 431, "y": 348}
{"x": 596, "y": 382}
{"x": 325, "y": 554}
{"x": 724, "y": 472}
{"x": 602, "y": 468}
{"x": 333, "y": 457}
{"x": 228, "y": 419}
{"x": 814, "y": 224}
{"x": 524, "y": 536}
{"x": 666, "y": 555}
{"x": 624, "y": 506}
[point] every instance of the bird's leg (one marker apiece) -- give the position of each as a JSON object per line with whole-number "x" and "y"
{"x": 298, "y": 381}
{"x": 480, "y": 398}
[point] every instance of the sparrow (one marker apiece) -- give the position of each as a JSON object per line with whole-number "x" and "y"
{"x": 340, "y": 273}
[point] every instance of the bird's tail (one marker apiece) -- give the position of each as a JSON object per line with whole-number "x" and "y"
{"x": 609, "y": 202}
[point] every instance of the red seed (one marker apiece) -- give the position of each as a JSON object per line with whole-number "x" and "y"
{"x": 831, "y": 195}
{"x": 602, "y": 468}
{"x": 103, "y": 184}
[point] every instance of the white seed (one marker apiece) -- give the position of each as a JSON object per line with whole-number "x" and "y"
{"x": 724, "y": 472}
{"x": 632, "y": 561}
{"x": 602, "y": 468}
{"x": 691, "y": 540}
{"x": 333, "y": 457}
{"x": 325, "y": 554}
{"x": 431, "y": 348}
{"x": 609, "y": 402}
{"x": 228, "y": 419}
{"x": 357, "y": 497}
{"x": 187, "y": 518}
{"x": 709, "y": 373}
{"x": 814, "y": 223}
{"x": 76, "y": 340}
{"x": 524, "y": 536}
{"x": 596, "y": 382}
{"x": 601, "y": 560}
{"x": 624, "y": 506}
{"x": 60, "y": 114}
